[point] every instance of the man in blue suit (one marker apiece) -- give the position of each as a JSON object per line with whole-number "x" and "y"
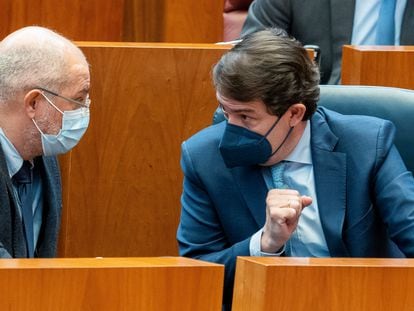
{"x": 44, "y": 111}
{"x": 283, "y": 177}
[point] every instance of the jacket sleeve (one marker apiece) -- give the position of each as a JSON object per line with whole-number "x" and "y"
{"x": 200, "y": 234}
{"x": 394, "y": 191}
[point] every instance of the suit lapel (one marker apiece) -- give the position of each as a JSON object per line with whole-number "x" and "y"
{"x": 330, "y": 184}
{"x": 9, "y": 210}
{"x": 4, "y": 172}
{"x": 253, "y": 189}
{"x": 407, "y": 27}
{"x": 49, "y": 173}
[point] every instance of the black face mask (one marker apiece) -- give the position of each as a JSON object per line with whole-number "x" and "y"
{"x": 240, "y": 146}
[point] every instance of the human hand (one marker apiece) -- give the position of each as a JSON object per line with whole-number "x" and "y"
{"x": 283, "y": 209}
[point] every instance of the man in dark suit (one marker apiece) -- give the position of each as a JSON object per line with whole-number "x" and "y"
{"x": 44, "y": 111}
{"x": 329, "y": 24}
{"x": 283, "y": 177}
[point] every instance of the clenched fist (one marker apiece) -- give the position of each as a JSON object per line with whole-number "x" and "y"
{"x": 283, "y": 209}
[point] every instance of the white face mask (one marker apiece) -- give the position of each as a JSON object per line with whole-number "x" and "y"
{"x": 74, "y": 125}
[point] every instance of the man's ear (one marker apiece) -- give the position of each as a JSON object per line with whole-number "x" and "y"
{"x": 31, "y": 102}
{"x": 296, "y": 113}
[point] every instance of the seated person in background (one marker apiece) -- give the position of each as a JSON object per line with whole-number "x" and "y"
{"x": 331, "y": 24}
{"x": 44, "y": 111}
{"x": 282, "y": 176}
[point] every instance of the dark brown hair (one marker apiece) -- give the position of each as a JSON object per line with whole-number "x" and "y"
{"x": 270, "y": 66}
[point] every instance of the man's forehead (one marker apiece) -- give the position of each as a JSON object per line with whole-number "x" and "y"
{"x": 239, "y": 106}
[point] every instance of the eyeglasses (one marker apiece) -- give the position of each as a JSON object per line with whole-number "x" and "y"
{"x": 86, "y": 104}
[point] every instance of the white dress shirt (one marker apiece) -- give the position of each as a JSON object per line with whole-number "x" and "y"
{"x": 366, "y": 14}
{"x": 308, "y": 240}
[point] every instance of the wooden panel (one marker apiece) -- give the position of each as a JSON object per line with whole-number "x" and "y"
{"x": 320, "y": 284}
{"x": 193, "y": 21}
{"x": 184, "y": 21}
{"x": 75, "y": 19}
{"x": 378, "y": 65}
{"x": 122, "y": 196}
{"x": 143, "y": 20}
{"x": 110, "y": 284}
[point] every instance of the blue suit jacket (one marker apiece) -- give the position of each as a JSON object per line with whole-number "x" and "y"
{"x": 365, "y": 194}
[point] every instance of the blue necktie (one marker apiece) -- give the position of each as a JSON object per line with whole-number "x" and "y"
{"x": 386, "y": 23}
{"x": 277, "y": 171}
{"x": 23, "y": 182}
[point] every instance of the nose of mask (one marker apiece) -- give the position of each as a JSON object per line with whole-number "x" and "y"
{"x": 242, "y": 147}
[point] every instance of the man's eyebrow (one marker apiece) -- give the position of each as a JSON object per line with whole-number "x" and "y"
{"x": 83, "y": 91}
{"x": 238, "y": 110}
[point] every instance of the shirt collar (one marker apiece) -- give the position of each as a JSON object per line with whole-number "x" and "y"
{"x": 13, "y": 159}
{"x": 302, "y": 152}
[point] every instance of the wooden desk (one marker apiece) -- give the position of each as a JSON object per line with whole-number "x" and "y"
{"x": 148, "y": 284}
{"x": 378, "y": 65}
{"x": 323, "y": 284}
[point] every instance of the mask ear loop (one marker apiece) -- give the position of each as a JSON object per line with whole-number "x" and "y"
{"x": 273, "y": 126}
{"x": 50, "y": 102}
{"x": 54, "y": 106}
{"x": 286, "y": 137}
{"x": 38, "y": 128}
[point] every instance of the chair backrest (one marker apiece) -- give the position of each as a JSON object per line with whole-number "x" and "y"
{"x": 394, "y": 104}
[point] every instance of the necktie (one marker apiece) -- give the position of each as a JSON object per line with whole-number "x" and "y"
{"x": 23, "y": 182}
{"x": 386, "y": 23}
{"x": 277, "y": 171}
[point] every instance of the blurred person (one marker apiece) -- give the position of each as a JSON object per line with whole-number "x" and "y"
{"x": 330, "y": 24}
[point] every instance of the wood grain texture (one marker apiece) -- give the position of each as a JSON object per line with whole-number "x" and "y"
{"x": 320, "y": 284}
{"x": 144, "y": 20}
{"x": 378, "y": 65}
{"x": 149, "y": 284}
{"x": 122, "y": 183}
{"x": 182, "y": 21}
{"x": 75, "y": 19}
{"x": 193, "y": 21}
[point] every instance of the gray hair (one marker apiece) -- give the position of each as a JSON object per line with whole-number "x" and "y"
{"x": 34, "y": 57}
{"x": 270, "y": 66}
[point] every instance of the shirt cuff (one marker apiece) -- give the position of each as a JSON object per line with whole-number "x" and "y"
{"x": 254, "y": 246}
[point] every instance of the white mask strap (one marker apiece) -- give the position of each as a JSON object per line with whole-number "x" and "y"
{"x": 50, "y": 102}
{"x": 38, "y": 128}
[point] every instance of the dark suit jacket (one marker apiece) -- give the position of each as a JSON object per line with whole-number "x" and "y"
{"x": 326, "y": 23}
{"x": 12, "y": 239}
{"x": 365, "y": 194}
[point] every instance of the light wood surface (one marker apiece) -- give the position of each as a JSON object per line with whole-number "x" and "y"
{"x": 320, "y": 284}
{"x": 183, "y": 21}
{"x": 75, "y": 19}
{"x": 378, "y": 65}
{"x": 193, "y": 21}
{"x": 144, "y": 20}
{"x": 148, "y": 284}
{"x": 122, "y": 183}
